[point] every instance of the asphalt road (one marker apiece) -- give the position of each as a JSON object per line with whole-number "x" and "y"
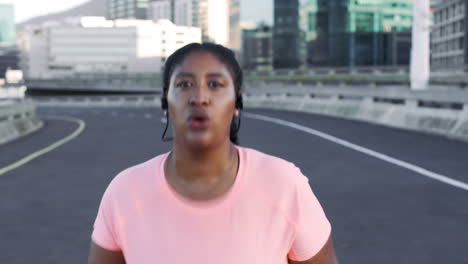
{"x": 380, "y": 212}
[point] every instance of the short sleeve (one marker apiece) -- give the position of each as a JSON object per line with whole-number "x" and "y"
{"x": 103, "y": 233}
{"x": 312, "y": 226}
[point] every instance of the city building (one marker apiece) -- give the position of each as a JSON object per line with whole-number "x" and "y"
{"x": 9, "y": 59}
{"x": 339, "y": 32}
{"x": 127, "y": 9}
{"x": 180, "y": 12}
{"x": 247, "y": 14}
{"x": 308, "y": 19}
{"x": 186, "y": 13}
{"x": 448, "y": 37}
{"x": 287, "y": 35}
{"x": 97, "y": 45}
{"x": 211, "y": 16}
{"x": 214, "y": 20}
{"x": 235, "y": 32}
{"x": 8, "y": 50}
{"x": 161, "y": 9}
{"x": 7, "y": 24}
{"x": 257, "y": 48}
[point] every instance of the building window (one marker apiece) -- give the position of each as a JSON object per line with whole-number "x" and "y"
{"x": 461, "y": 43}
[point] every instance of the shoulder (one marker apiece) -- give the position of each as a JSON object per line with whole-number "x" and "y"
{"x": 273, "y": 175}
{"x": 135, "y": 178}
{"x": 271, "y": 167}
{"x": 276, "y": 182}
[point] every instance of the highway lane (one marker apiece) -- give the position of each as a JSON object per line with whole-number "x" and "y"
{"x": 381, "y": 213}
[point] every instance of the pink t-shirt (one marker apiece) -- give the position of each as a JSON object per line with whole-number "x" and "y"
{"x": 269, "y": 214}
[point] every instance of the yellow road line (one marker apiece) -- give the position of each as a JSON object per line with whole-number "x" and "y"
{"x": 23, "y": 161}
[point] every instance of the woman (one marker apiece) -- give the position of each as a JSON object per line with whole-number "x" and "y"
{"x": 209, "y": 200}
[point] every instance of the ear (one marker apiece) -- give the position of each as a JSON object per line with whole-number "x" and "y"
{"x": 236, "y": 113}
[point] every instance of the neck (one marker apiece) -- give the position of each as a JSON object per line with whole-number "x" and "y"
{"x": 205, "y": 167}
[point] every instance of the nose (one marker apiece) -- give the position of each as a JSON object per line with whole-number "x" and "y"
{"x": 200, "y": 96}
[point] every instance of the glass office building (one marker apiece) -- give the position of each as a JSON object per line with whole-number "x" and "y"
{"x": 287, "y": 36}
{"x": 358, "y": 32}
{"x": 257, "y": 48}
{"x": 7, "y": 24}
{"x": 247, "y": 15}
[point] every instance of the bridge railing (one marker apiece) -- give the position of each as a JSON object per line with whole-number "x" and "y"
{"x": 374, "y": 70}
{"x": 443, "y": 112}
{"x": 439, "y": 112}
{"x": 443, "y": 98}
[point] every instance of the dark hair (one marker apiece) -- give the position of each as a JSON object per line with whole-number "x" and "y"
{"x": 226, "y": 56}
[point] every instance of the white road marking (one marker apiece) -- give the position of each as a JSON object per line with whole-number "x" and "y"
{"x": 23, "y": 161}
{"x": 375, "y": 154}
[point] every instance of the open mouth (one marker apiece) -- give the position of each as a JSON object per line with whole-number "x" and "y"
{"x": 198, "y": 120}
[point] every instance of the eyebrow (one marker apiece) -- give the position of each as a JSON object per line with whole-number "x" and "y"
{"x": 191, "y": 75}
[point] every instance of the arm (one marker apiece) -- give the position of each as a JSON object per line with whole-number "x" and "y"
{"x": 325, "y": 256}
{"x": 99, "y": 255}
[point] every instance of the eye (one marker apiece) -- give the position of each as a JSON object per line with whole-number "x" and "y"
{"x": 184, "y": 84}
{"x": 214, "y": 84}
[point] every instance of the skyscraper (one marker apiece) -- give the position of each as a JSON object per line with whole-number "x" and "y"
{"x": 257, "y": 48}
{"x": 8, "y": 51}
{"x": 214, "y": 20}
{"x": 449, "y": 35}
{"x": 211, "y": 16}
{"x": 353, "y": 33}
{"x": 134, "y": 9}
{"x": 161, "y": 9}
{"x": 247, "y": 14}
{"x": 234, "y": 26}
{"x": 287, "y": 36}
{"x": 7, "y": 24}
{"x": 186, "y": 13}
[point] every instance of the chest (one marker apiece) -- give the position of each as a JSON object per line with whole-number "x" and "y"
{"x": 245, "y": 232}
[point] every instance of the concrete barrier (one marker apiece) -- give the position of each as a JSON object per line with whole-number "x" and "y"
{"x": 98, "y": 101}
{"x": 437, "y": 112}
{"x": 17, "y": 120}
{"x": 446, "y": 116}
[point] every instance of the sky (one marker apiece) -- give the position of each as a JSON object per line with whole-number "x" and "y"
{"x": 258, "y": 10}
{"x": 25, "y": 9}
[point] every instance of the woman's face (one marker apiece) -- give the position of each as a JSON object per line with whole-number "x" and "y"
{"x": 201, "y": 100}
